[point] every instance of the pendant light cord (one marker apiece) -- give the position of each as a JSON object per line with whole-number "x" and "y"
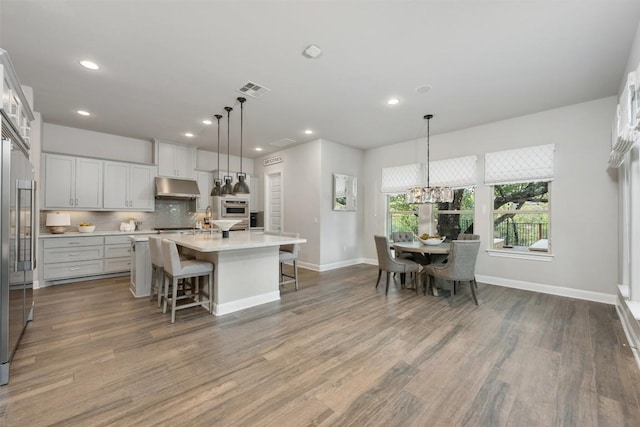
{"x": 241, "y": 100}
{"x": 218, "y": 117}
{"x": 428, "y": 117}
{"x": 228, "y": 109}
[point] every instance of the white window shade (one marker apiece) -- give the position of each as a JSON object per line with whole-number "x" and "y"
{"x": 519, "y": 165}
{"x": 399, "y": 179}
{"x": 459, "y": 172}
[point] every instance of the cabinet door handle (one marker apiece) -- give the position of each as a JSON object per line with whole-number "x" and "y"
{"x": 74, "y": 254}
{"x": 74, "y": 269}
{"x": 73, "y": 243}
{"x": 70, "y": 202}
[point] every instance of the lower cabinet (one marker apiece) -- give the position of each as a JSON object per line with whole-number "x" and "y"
{"x": 81, "y": 257}
{"x": 117, "y": 254}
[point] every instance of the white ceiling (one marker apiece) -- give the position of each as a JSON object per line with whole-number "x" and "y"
{"x": 166, "y": 65}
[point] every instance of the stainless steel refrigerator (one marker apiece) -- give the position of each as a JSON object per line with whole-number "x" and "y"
{"x": 17, "y": 243}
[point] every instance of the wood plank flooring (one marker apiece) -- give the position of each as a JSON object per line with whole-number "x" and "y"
{"x": 337, "y": 352}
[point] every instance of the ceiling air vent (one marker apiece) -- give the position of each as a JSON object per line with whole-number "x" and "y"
{"x": 253, "y": 90}
{"x": 283, "y": 142}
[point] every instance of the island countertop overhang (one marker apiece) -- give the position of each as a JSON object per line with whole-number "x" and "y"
{"x": 238, "y": 240}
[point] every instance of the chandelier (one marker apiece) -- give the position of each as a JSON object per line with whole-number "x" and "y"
{"x": 429, "y": 194}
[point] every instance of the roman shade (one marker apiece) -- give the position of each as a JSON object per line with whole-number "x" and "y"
{"x": 519, "y": 165}
{"x": 399, "y": 179}
{"x": 459, "y": 172}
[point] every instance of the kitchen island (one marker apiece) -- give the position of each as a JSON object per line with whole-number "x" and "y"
{"x": 247, "y": 266}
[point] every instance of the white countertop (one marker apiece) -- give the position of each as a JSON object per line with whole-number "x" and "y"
{"x": 95, "y": 233}
{"x": 237, "y": 240}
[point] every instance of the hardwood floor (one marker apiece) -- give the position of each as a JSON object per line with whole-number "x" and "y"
{"x": 337, "y": 352}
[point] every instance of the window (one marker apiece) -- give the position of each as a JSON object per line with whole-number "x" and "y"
{"x": 521, "y": 216}
{"x": 402, "y": 216}
{"x": 456, "y": 217}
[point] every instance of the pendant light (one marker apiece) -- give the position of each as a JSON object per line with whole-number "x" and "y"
{"x": 429, "y": 194}
{"x": 241, "y": 186}
{"x": 227, "y": 188}
{"x": 216, "y": 191}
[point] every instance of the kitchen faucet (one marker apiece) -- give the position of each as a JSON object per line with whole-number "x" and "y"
{"x": 208, "y": 213}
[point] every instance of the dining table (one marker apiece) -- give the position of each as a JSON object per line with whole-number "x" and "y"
{"x": 424, "y": 253}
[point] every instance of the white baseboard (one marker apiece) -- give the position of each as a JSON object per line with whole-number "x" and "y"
{"x": 630, "y": 325}
{"x": 230, "y": 307}
{"x": 332, "y": 266}
{"x": 36, "y": 284}
{"x": 549, "y": 289}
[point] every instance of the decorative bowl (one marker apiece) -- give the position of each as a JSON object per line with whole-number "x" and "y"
{"x": 225, "y": 224}
{"x": 86, "y": 228}
{"x": 432, "y": 241}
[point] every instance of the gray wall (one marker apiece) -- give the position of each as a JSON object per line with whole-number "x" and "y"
{"x": 341, "y": 231}
{"x": 333, "y": 238}
{"x": 79, "y": 142}
{"x": 584, "y": 193}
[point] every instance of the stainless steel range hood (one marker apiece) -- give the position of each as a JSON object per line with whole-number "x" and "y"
{"x": 176, "y": 188}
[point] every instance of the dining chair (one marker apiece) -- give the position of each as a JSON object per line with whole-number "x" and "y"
{"x": 393, "y": 265}
{"x": 403, "y": 236}
{"x": 463, "y": 236}
{"x": 175, "y": 269}
{"x": 460, "y": 267}
{"x": 288, "y": 253}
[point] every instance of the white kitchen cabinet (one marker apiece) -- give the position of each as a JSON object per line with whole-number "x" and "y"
{"x": 140, "y": 283}
{"x": 72, "y": 182}
{"x": 255, "y": 203}
{"x": 205, "y": 184}
{"x": 128, "y": 186}
{"x": 175, "y": 160}
{"x": 69, "y": 257}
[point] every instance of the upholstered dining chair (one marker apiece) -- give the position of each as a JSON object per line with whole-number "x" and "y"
{"x": 287, "y": 253}
{"x": 403, "y": 236}
{"x": 463, "y": 236}
{"x": 460, "y": 267}
{"x": 393, "y": 265}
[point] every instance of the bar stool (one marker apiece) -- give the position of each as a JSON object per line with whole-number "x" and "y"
{"x": 157, "y": 267}
{"x": 176, "y": 269}
{"x": 287, "y": 253}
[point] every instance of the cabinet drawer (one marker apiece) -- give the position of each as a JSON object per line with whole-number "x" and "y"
{"x": 72, "y": 269}
{"x": 55, "y": 255}
{"x": 116, "y": 240}
{"x": 117, "y": 251}
{"x": 66, "y": 242}
{"x": 117, "y": 264}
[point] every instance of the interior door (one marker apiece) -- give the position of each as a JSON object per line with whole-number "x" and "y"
{"x": 273, "y": 210}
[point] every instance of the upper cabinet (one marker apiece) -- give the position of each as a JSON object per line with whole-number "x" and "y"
{"x": 128, "y": 186}
{"x": 174, "y": 160}
{"x": 72, "y": 182}
{"x": 205, "y": 184}
{"x": 14, "y": 102}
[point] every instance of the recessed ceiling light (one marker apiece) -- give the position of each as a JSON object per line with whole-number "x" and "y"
{"x": 308, "y": 131}
{"x": 90, "y": 65}
{"x": 393, "y": 101}
{"x": 83, "y": 113}
{"x": 207, "y": 122}
{"x": 258, "y": 148}
{"x": 189, "y": 134}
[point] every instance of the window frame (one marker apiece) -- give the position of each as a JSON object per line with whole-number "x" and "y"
{"x": 520, "y": 252}
{"x": 390, "y": 213}
{"x": 436, "y": 212}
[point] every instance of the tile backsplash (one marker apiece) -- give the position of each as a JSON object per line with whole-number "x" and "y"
{"x": 168, "y": 213}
